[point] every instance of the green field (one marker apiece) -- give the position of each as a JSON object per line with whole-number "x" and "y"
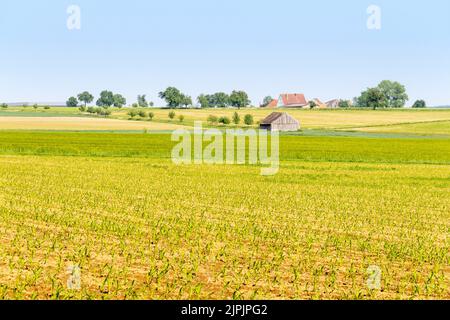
{"x": 141, "y": 227}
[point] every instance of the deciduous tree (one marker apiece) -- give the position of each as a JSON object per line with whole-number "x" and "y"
{"x": 72, "y": 102}
{"x": 239, "y": 99}
{"x": 85, "y": 97}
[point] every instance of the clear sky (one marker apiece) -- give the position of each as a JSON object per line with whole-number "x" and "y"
{"x": 322, "y": 48}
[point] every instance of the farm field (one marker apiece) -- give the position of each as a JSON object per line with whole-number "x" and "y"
{"x": 142, "y": 228}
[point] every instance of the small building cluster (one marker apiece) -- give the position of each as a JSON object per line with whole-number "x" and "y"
{"x": 298, "y": 100}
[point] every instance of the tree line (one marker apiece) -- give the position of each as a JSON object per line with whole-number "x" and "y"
{"x": 388, "y": 94}
{"x": 173, "y": 97}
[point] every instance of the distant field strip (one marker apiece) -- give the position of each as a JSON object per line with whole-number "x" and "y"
{"x": 79, "y": 123}
{"x": 318, "y": 119}
{"x": 425, "y": 128}
{"x": 310, "y": 119}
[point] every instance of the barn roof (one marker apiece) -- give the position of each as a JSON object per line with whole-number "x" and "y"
{"x": 272, "y": 117}
{"x": 294, "y": 99}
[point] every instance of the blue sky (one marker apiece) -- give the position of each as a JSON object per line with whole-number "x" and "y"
{"x": 321, "y": 48}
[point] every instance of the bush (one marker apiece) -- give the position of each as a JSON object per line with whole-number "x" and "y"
{"x": 47, "y": 108}
{"x": 4, "y": 106}
{"x": 82, "y": 108}
{"x": 420, "y": 104}
{"x": 132, "y": 113}
{"x": 181, "y": 118}
{"x": 103, "y": 112}
{"x": 248, "y": 119}
{"x": 212, "y": 119}
{"x": 35, "y": 106}
{"x": 171, "y": 115}
{"x": 151, "y": 115}
{"x": 236, "y": 118}
{"x": 135, "y": 105}
{"x": 142, "y": 114}
{"x": 224, "y": 120}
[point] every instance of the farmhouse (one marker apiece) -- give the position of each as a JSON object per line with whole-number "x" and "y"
{"x": 280, "y": 121}
{"x": 319, "y": 103}
{"x": 292, "y": 100}
{"x": 333, "y": 103}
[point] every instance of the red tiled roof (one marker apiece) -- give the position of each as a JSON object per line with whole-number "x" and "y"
{"x": 273, "y": 104}
{"x": 294, "y": 99}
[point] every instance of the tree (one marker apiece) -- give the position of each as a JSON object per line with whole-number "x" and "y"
{"x": 236, "y": 118}
{"x": 371, "y": 98}
{"x": 224, "y": 120}
{"x": 219, "y": 100}
{"x": 239, "y": 99}
{"x": 119, "y": 101}
{"x": 394, "y": 92}
{"x": 203, "y": 101}
{"x": 173, "y": 97}
{"x": 248, "y": 119}
{"x": 72, "y": 102}
{"x": 106, "y": 99}
{"x": 267, "y": 100}
{"x": 181, "y": 118}
{"x": 85, "y": 97}
{"x": 35, "y": 106}
{"x": 142, "y": 101}
{"x": 420, "y": 104}
{"x": 312, "y": 104}
{"x": 187, "y": 101}
{"x": 171, "y": 115}
{"x": 344, "y": 104}
{"x": 4, "y": 106}
{"x": 151, "y": 115}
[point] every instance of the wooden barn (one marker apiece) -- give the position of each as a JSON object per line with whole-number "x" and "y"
{"x": 280, "y": 121}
